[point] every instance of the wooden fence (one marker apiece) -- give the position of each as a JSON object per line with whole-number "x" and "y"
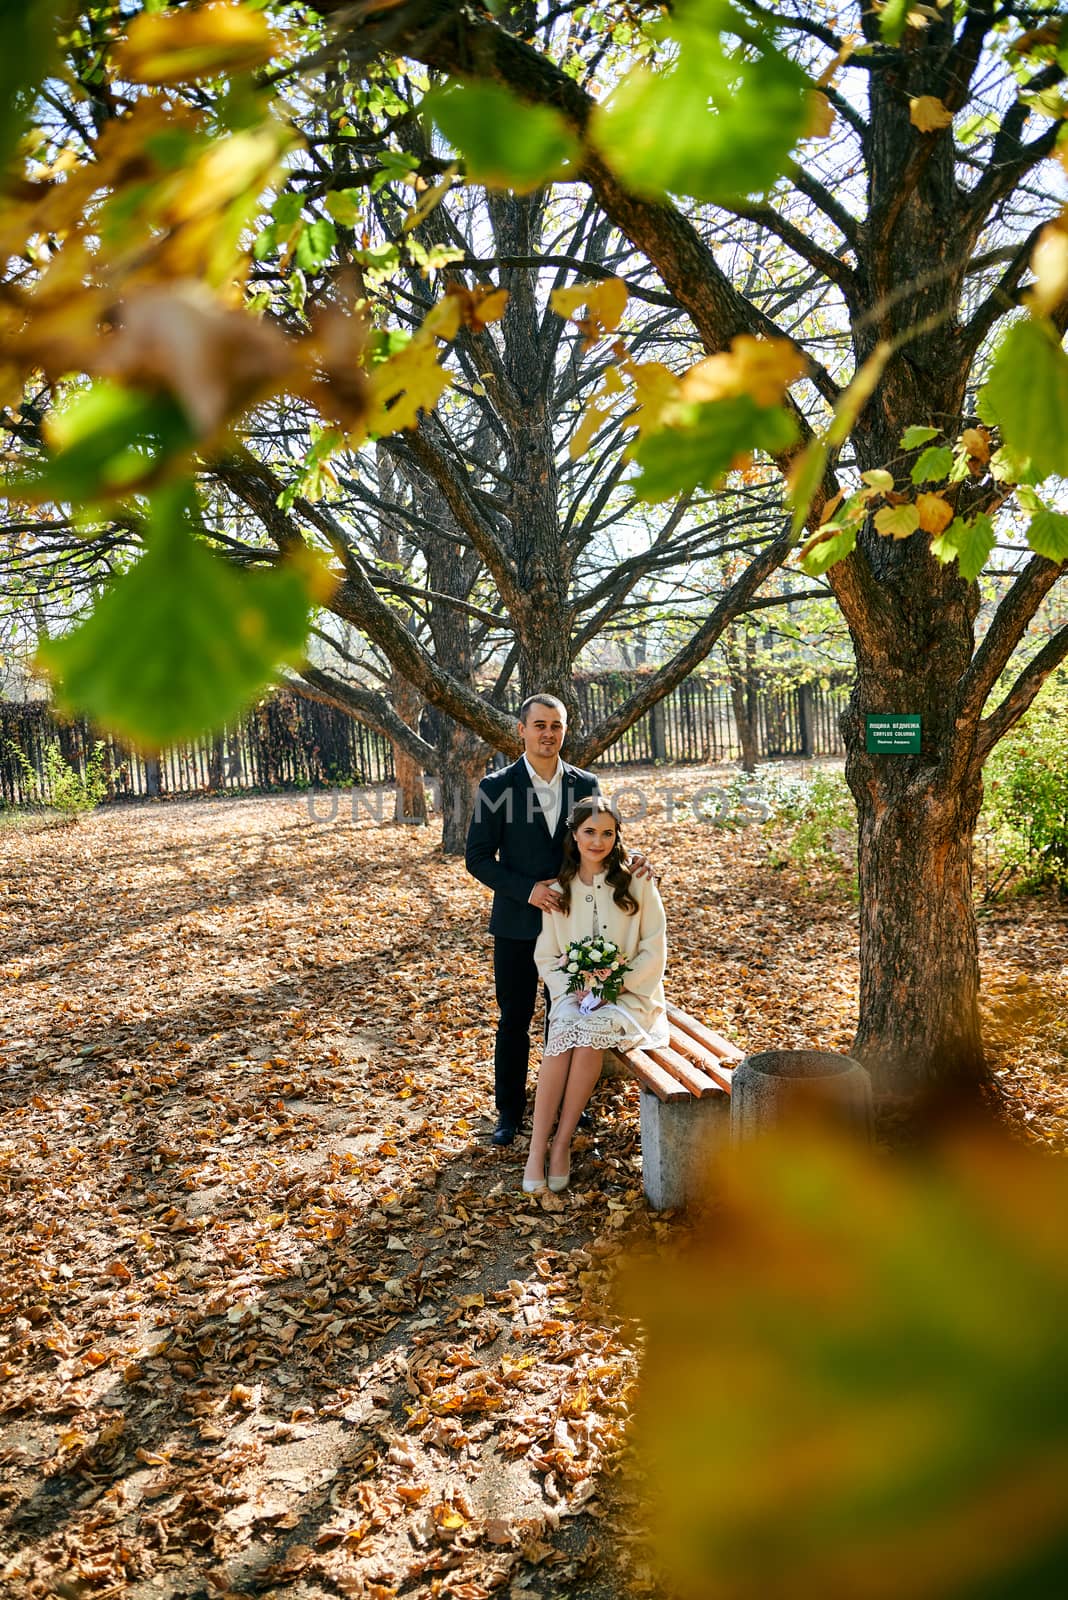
{"x": 289, "y": 743}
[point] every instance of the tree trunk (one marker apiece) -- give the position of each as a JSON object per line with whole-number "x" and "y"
{"x": 542, "y": 559}
{"x": 743, "y": 698}
{"x": 461, "y": 763}
{"x": 411, "y": 792}
{"x": 919, "y": 1032}
{"x": 216, "y": 762}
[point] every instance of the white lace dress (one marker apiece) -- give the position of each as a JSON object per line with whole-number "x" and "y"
{"x": 609, "y": 1027}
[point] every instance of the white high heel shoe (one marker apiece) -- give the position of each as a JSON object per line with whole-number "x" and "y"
{"x": 558, "y": 1182}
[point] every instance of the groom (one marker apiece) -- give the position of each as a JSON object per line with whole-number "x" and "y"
{"x": 515, "y": 846}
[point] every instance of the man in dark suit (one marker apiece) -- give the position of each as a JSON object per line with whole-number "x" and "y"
{"x": 515, "y": 846}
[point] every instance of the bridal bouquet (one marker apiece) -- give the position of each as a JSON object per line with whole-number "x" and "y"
{"x": 593, "y": 954}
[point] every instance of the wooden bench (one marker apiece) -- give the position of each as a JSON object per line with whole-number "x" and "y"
{"x": 685, "y": 1106}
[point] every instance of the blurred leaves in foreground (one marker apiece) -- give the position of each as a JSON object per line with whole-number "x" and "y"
{"x": 183, "y": 639}
{"x": 855, "y": 1383}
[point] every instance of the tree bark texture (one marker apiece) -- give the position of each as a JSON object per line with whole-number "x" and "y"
{"x": 411, "y": 793}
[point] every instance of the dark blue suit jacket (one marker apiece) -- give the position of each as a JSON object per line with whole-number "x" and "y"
{"x": 510, "y": 848}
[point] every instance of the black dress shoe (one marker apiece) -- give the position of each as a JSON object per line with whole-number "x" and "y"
{"x": 504, "y": 1132}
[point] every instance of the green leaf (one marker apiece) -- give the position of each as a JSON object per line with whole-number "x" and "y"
{"x": 913, "y": 437}
{"x": 678, "y": 460}
{"x": 970, "y": 542}
{"x": 345, "y": 206}
{"x": 1048, "y": 535}
{"x": 933, "y": 464}
{"x": 897, "y": 522}
{"x": 287, "y": 209}
{"x": 1026, "y": 395}
{"x": 717, "y": 124}
{"x": 105, "y": 442}
{"x": 266, "y": 243}
{"x": 29, "y": 29}
{"x": 182, "y": 642}
{"x": 805, "y": 480}
{"x": 894, "y": 19}
{"x": 819, "y": 557}
{"x": 505, "y": 143}
{"x": 316, "y": 244}
{"x": 878, "y": 479}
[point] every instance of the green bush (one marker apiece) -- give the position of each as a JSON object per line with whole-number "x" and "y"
{"x": 64, "y": 788}
{"x": 1025, "y": 803}
{"x": 811, "y": 815}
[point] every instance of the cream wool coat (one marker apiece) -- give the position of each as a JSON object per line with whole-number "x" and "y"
{"x": 641, "y": 936}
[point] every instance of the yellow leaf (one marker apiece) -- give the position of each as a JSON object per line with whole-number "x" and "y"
{"x": 589, "y": 423}
{"x": 878, "y": 480}
{"x": 977, "y": 443}
{"x": 429, "y": 200}
{"x": 897, "y": 522}
{"x": 927, "y": 113}
{"x": 935, "y": 513}
{"x": 478, "y": 306}
{"x": 762, "y": 368}
{"x": 655, "y": 388}
{"x": 491, "y": 308}
{"x": 821, "y": 115}
{"x": 605, "y": 303}
{"x": 228, "y": 168}
{"x": 182, "y": 46}
{"x": 1049, "y": 263}
{"x": 443, "y": 320}
{"x": 409, "y": 382}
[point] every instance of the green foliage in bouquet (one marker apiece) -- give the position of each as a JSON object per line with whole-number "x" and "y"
{"x": 593, "y": 954}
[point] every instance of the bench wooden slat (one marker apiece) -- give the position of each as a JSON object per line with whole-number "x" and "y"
{"x": 714, "y": 1042}
{"x": 662, "y": 1084}
{"x": 699, "y": 1083}
{"x": 716, "y": 1069}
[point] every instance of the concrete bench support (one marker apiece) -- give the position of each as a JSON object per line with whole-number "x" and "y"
{"x": 682, "y": 1142}
{"x": 685, "y": 1108}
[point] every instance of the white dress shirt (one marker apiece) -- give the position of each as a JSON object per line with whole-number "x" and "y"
{"x": 550, "y": 794}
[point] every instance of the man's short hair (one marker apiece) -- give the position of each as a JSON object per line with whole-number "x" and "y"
{"x": 549, "y": 700}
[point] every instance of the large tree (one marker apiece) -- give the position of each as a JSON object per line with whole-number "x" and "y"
{"x": 915, "y": 223}
{"x": 926, "y": 241}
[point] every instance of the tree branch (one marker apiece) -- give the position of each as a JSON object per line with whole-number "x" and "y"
{"x": 417, "y": 447}
{"x": 366, "y": 706}
{"x": 355, "y": 601}
{"x": 736, "y": 599}
{"x": 1021, "y": 695}
{"x": 1014, "y": 611}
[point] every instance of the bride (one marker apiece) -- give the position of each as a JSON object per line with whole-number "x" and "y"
{"x": 600, "y": 897}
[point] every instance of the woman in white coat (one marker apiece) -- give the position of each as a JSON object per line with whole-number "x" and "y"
{"x": 602, "y": 898}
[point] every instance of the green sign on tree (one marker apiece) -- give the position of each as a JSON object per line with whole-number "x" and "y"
{"x": 892, "y": 735}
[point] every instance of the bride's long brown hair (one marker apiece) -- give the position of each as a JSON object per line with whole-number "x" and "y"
{"x": 615, "y": 871}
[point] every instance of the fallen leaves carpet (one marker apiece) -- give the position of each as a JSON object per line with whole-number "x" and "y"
{"x": 276, "y": 1318}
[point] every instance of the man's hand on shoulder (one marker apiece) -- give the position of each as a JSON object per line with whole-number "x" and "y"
{"x": 545, "y": 896}
{"x": 642, "y": 867}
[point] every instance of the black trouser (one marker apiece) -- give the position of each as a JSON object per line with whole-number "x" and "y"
{"x": 516, "y": 979}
